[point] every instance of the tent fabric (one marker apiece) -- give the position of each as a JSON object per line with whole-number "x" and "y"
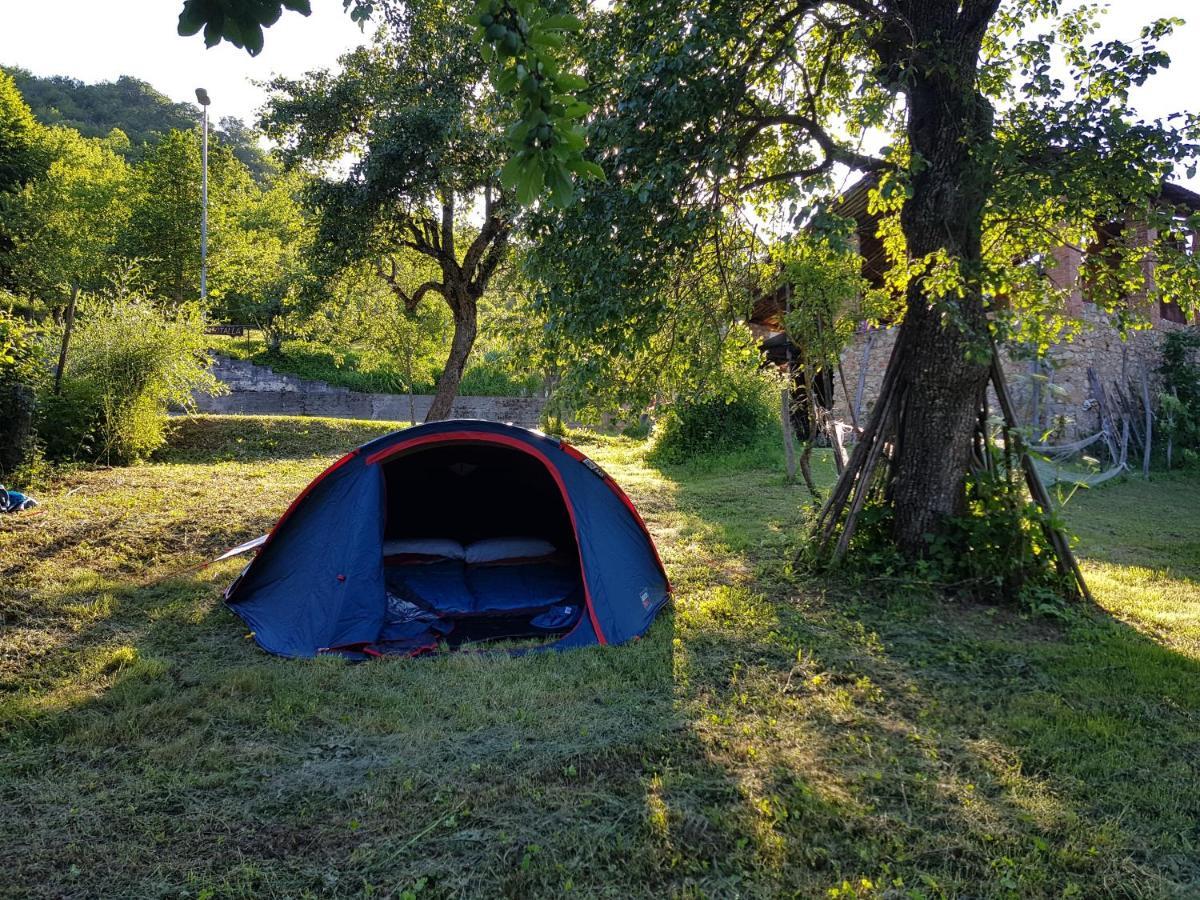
{"x": 319, "y": 583}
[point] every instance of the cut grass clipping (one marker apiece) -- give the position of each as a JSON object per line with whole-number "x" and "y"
{"x": 771, "y": 736}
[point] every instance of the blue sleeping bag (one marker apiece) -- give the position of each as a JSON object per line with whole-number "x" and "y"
{"x": 453, "y": 589}
{"x": 529, "y": 587}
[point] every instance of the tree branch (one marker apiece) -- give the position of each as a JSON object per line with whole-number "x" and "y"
{"x": 975, "y": 16}
{"x": 448, "y": 226}
{"x": 420, "y": 233}
{"x": 834, "y": 152}
{"x": 410, "y": 301}
{"x": 790, "y": 175}
{"x": 493, "y": 228}
{"x": 491, "y": 260}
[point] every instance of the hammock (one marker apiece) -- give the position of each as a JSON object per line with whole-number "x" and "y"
{"x": 1062, "y": 451}
{"x": 1050, "y": 469}
{"x": 1049, "y": 466}
{"x": 1052, "y": 474}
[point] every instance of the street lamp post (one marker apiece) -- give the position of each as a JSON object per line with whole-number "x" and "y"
{"x": 202, "y": 96}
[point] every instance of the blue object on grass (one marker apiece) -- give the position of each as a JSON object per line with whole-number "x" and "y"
{"x": 15, "y": 501}
{"x": 320, "y": 583}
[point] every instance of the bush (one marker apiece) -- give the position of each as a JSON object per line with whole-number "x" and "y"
{"x": 20, "y": 367}
{"x": 68, "y": 425}
{"x": 1179, "y": 403}
{"x": 736, "y": 415}
{"x": 488, "y": 376}
{"x": 129, "y": 361}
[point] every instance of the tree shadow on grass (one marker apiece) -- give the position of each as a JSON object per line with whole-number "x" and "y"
{"x": 765, "y": 738}
{"x": 194, "y": 761}
{"x": 973, "y": 750}
{"x": 210, "y": 438}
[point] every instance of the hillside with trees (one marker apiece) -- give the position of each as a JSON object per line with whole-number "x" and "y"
{"x": 132, "y": 106}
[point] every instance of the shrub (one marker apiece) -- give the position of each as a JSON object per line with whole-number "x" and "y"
{"x": 736, "y": 414}
{"x": 1179, "y": 403}
{"x": 129, "y": 362}
{"x": 20, "y": 368}
{"x": 488, "y": 376}
{"x": 69, "y": 425}
{"x": 637, "y": 429}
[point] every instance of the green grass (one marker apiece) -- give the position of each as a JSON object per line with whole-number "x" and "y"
{"x": 771, "y": 736}
{"x": 359, "y": 369}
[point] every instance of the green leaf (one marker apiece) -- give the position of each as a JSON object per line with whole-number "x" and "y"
{"x": 252, "y": 37}
{"x": 545, "y": 39}
{"x": 574, "y": 137}
{"x": 562, "y": 189}
{"x": 268, "y": 14}
{"x": 507, "y": 81}
{"x": 212, "y": 30}
{"x": 587, "y": 169}
{"x": 531, "y": 183}
{"x": 515, "y": 133}
{"x": 192, "y": 18}
{"x": 510, "y": 175}
{"x": 562, "y": 23}
{"x": 570, "y": 83}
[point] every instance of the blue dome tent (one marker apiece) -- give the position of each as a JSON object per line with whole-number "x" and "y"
{"x": 452, "y": 532}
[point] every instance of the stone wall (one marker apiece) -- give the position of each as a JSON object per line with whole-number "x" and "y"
{"x": 1059, "y": 396}
{"x": 258, "y": 390}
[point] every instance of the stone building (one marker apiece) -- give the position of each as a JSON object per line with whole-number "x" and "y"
{"x": 1056, "y": 394}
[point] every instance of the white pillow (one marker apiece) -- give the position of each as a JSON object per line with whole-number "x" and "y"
{"x": 501, "y": 549}
{"x": 424, "y": 547}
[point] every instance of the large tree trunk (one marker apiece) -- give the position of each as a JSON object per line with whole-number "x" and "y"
{"x": 465, "y": 328}
{"x": 943, "y": 353}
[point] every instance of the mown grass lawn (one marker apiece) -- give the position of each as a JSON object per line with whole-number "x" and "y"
{"x": 771, "y": 736}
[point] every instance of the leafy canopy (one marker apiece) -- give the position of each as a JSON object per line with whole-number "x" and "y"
{"x": 72, "y": 218}
{"x": 704, "y": 113}
{"x": 414, "y": 112}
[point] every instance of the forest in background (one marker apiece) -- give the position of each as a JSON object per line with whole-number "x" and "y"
{"x": 136, "y": 109}
{"x": 101, "y": 201}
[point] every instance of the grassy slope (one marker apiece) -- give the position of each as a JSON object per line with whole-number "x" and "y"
{"x": 362, "y": 370}
{"x": 770, "y": 736}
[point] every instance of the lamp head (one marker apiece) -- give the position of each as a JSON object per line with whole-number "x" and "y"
{"x": 202, "y": 96}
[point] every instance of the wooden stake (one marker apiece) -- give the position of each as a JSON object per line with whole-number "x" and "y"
{"x": 846, "y": 392}
{"x": 789, "y": 445}
{"x": 1149, "y": 424}
{"x": 69, "y": 325}
{"x": 1065, "y": 560}
{"x": 862, "y": 487}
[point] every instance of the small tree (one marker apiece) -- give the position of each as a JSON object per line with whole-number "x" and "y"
{"x": 72, "y": 217}
{"x": 131, "y": 362}
{"x": 1179, "y": 402}
{"x": 260, "y": 262}
{"x": 417, "y": 108}
{"x": 21, "y": 365}
{"x": 21, "y": 161}
{"x": 825, "y": 291}
{"x": 164, "y": 227}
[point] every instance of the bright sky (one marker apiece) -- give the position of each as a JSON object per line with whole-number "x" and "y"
{"x": 100, "y": 40}
{"x": 88, "y": 40}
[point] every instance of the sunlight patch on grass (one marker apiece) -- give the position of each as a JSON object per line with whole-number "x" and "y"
{"x": 770, "y": 730}
{"x": 1155, "y": 601}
